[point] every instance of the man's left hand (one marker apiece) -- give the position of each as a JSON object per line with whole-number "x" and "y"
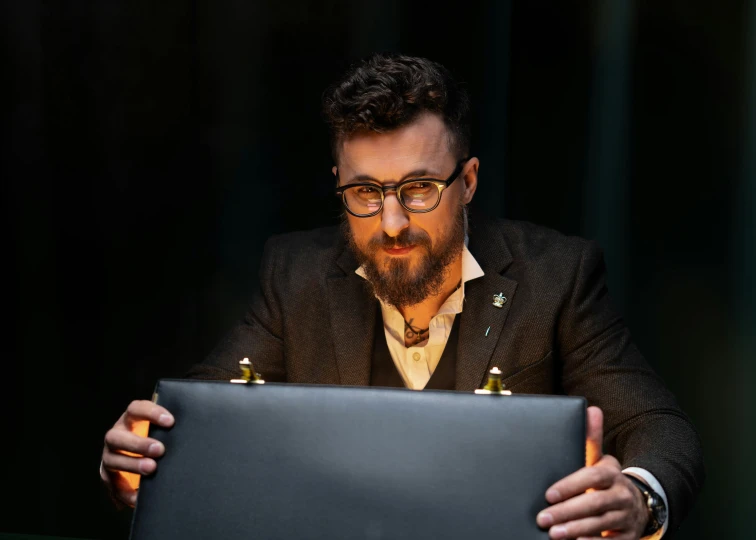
{"x": 597, "y": 498}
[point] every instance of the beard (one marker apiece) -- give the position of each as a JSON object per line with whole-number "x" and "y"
{"x": 395, "y": 282}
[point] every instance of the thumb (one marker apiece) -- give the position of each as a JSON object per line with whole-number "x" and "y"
{"x": 594, "y": 435}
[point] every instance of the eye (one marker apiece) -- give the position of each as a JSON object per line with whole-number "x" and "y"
{"x": 366, "y": 190}
{"x": 417, "y": 188}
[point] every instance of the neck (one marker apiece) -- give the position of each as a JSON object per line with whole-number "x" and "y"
{"x": 420, "y": 314}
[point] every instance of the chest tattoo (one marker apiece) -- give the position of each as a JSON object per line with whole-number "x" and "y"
{"x": 414, "y": 335}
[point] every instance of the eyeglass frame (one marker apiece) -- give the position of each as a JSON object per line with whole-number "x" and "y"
{"x": 440, "y": 184}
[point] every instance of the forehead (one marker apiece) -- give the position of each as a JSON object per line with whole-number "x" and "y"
{"x": 422, "y": 144}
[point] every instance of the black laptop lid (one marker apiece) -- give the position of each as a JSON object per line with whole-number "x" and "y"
{"x": 301, "y": 461}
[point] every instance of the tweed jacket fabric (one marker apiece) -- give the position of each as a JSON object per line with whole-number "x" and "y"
{"x": 313, "y": 321}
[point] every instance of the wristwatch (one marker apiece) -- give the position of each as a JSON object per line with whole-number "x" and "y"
{"x": 657, "y": 510}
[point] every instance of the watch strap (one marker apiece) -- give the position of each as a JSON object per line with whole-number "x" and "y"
{"x": 649, "y": 496}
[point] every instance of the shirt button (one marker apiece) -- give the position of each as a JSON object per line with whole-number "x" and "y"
{"x": 416, "y": 356}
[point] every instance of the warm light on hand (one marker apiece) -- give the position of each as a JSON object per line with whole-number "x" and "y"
{"x": 141, "y": 428}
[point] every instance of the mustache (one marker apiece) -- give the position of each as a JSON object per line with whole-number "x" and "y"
{"x": 404, "y": 239}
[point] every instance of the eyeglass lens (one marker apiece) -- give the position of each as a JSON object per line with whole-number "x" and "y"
{"x": 414, "y": 195}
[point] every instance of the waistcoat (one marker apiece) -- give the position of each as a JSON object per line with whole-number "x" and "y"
{"x": 383, "y": 371}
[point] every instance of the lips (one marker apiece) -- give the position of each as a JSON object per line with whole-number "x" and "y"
{"x": 399, "y": 251}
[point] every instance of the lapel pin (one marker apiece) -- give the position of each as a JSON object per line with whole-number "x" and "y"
{"x": 488, "y": 330}
{"x": 499, "y": 300}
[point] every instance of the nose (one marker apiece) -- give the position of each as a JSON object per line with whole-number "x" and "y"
{"x": 394, "y": 217}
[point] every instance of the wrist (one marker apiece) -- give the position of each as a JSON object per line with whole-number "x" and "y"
{"x": 655, "y": 514}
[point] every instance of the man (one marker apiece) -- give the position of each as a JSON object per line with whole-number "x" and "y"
{"x": 408, "y": 293}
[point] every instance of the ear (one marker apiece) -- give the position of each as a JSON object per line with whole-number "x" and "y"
{"x": 334, "y": 169}
{"x": 469, "y": 179}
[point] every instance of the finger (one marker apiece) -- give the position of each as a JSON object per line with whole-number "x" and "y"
{"x": 600, "y": 476}
{"x": 609, "y": 534}
{"x": 589, "y": 504}
{"x": 609, "y": 461}
{"x": 120, "y": 440}
{"x": 141, "y": 410}
{"x": 594, "y": 435}
{"x": 112, "y": 461}
{"x": 123, "y": 490}
{"x": 591, "y": 526}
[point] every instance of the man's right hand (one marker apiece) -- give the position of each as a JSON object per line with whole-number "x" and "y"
{"x": 128, "y": 451}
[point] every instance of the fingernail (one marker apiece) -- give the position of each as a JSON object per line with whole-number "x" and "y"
{"x": 146, "y": 466}
{"x": 559, "y": 531}
{"x": 545, "y": 519}
{"x": 156, "y": 449}
{"x": 553, "y": 496}
{"x": 165, "y": 420}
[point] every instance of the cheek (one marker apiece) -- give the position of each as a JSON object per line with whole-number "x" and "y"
{"x": 438, "y": 222}
{"x": 433, "y": 227}
{"x": 363, "y": 229}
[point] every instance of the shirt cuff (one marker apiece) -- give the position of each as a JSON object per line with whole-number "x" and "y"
{"x": 644, "y": 476}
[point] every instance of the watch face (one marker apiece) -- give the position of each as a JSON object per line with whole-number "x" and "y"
{"x": 656, "y": 507}
{"x": 659, "y": 509}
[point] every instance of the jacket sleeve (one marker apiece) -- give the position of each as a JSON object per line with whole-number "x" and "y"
{"x": 643, "y": 424}
{"x": 257, "y": 336}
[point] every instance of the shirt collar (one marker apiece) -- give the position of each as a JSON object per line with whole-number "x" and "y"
{"x": 470, "y": 270}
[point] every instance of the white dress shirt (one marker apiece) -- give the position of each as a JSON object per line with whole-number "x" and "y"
{"x": 416, "y": 364}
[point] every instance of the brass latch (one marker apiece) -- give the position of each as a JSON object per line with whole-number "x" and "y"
{"x": 494, "y": 385}
{"x": 248, "y": 374}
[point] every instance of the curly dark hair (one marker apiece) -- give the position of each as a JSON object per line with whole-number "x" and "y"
{"x": 385, "y": 91}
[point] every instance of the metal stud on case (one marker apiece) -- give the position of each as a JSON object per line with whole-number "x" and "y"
{"x": 494, "y": 386}
{"x": 248, "y": 374}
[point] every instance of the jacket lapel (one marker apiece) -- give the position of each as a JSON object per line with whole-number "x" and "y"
{"x": 353, "y": 310}
{"x": 481, "y": 321}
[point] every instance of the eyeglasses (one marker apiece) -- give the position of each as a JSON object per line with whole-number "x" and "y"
{"x": 417, "y": 195}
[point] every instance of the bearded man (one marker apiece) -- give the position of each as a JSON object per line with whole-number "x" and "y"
{"x": 408, "y": 292}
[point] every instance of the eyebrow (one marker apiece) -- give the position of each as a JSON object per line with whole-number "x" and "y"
{"x": 419, "y": 173}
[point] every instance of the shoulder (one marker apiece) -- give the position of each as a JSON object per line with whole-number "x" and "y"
{"x": 303, "y": 255}
{"x": 530, "y": 241}
{"x": 526, "y": 241}
{"x": 535, "y": 250}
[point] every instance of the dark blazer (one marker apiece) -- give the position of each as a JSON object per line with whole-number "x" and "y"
{"x": 313, "y": 321}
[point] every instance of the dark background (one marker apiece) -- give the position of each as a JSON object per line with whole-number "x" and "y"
{"x": 150, "y": 148}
